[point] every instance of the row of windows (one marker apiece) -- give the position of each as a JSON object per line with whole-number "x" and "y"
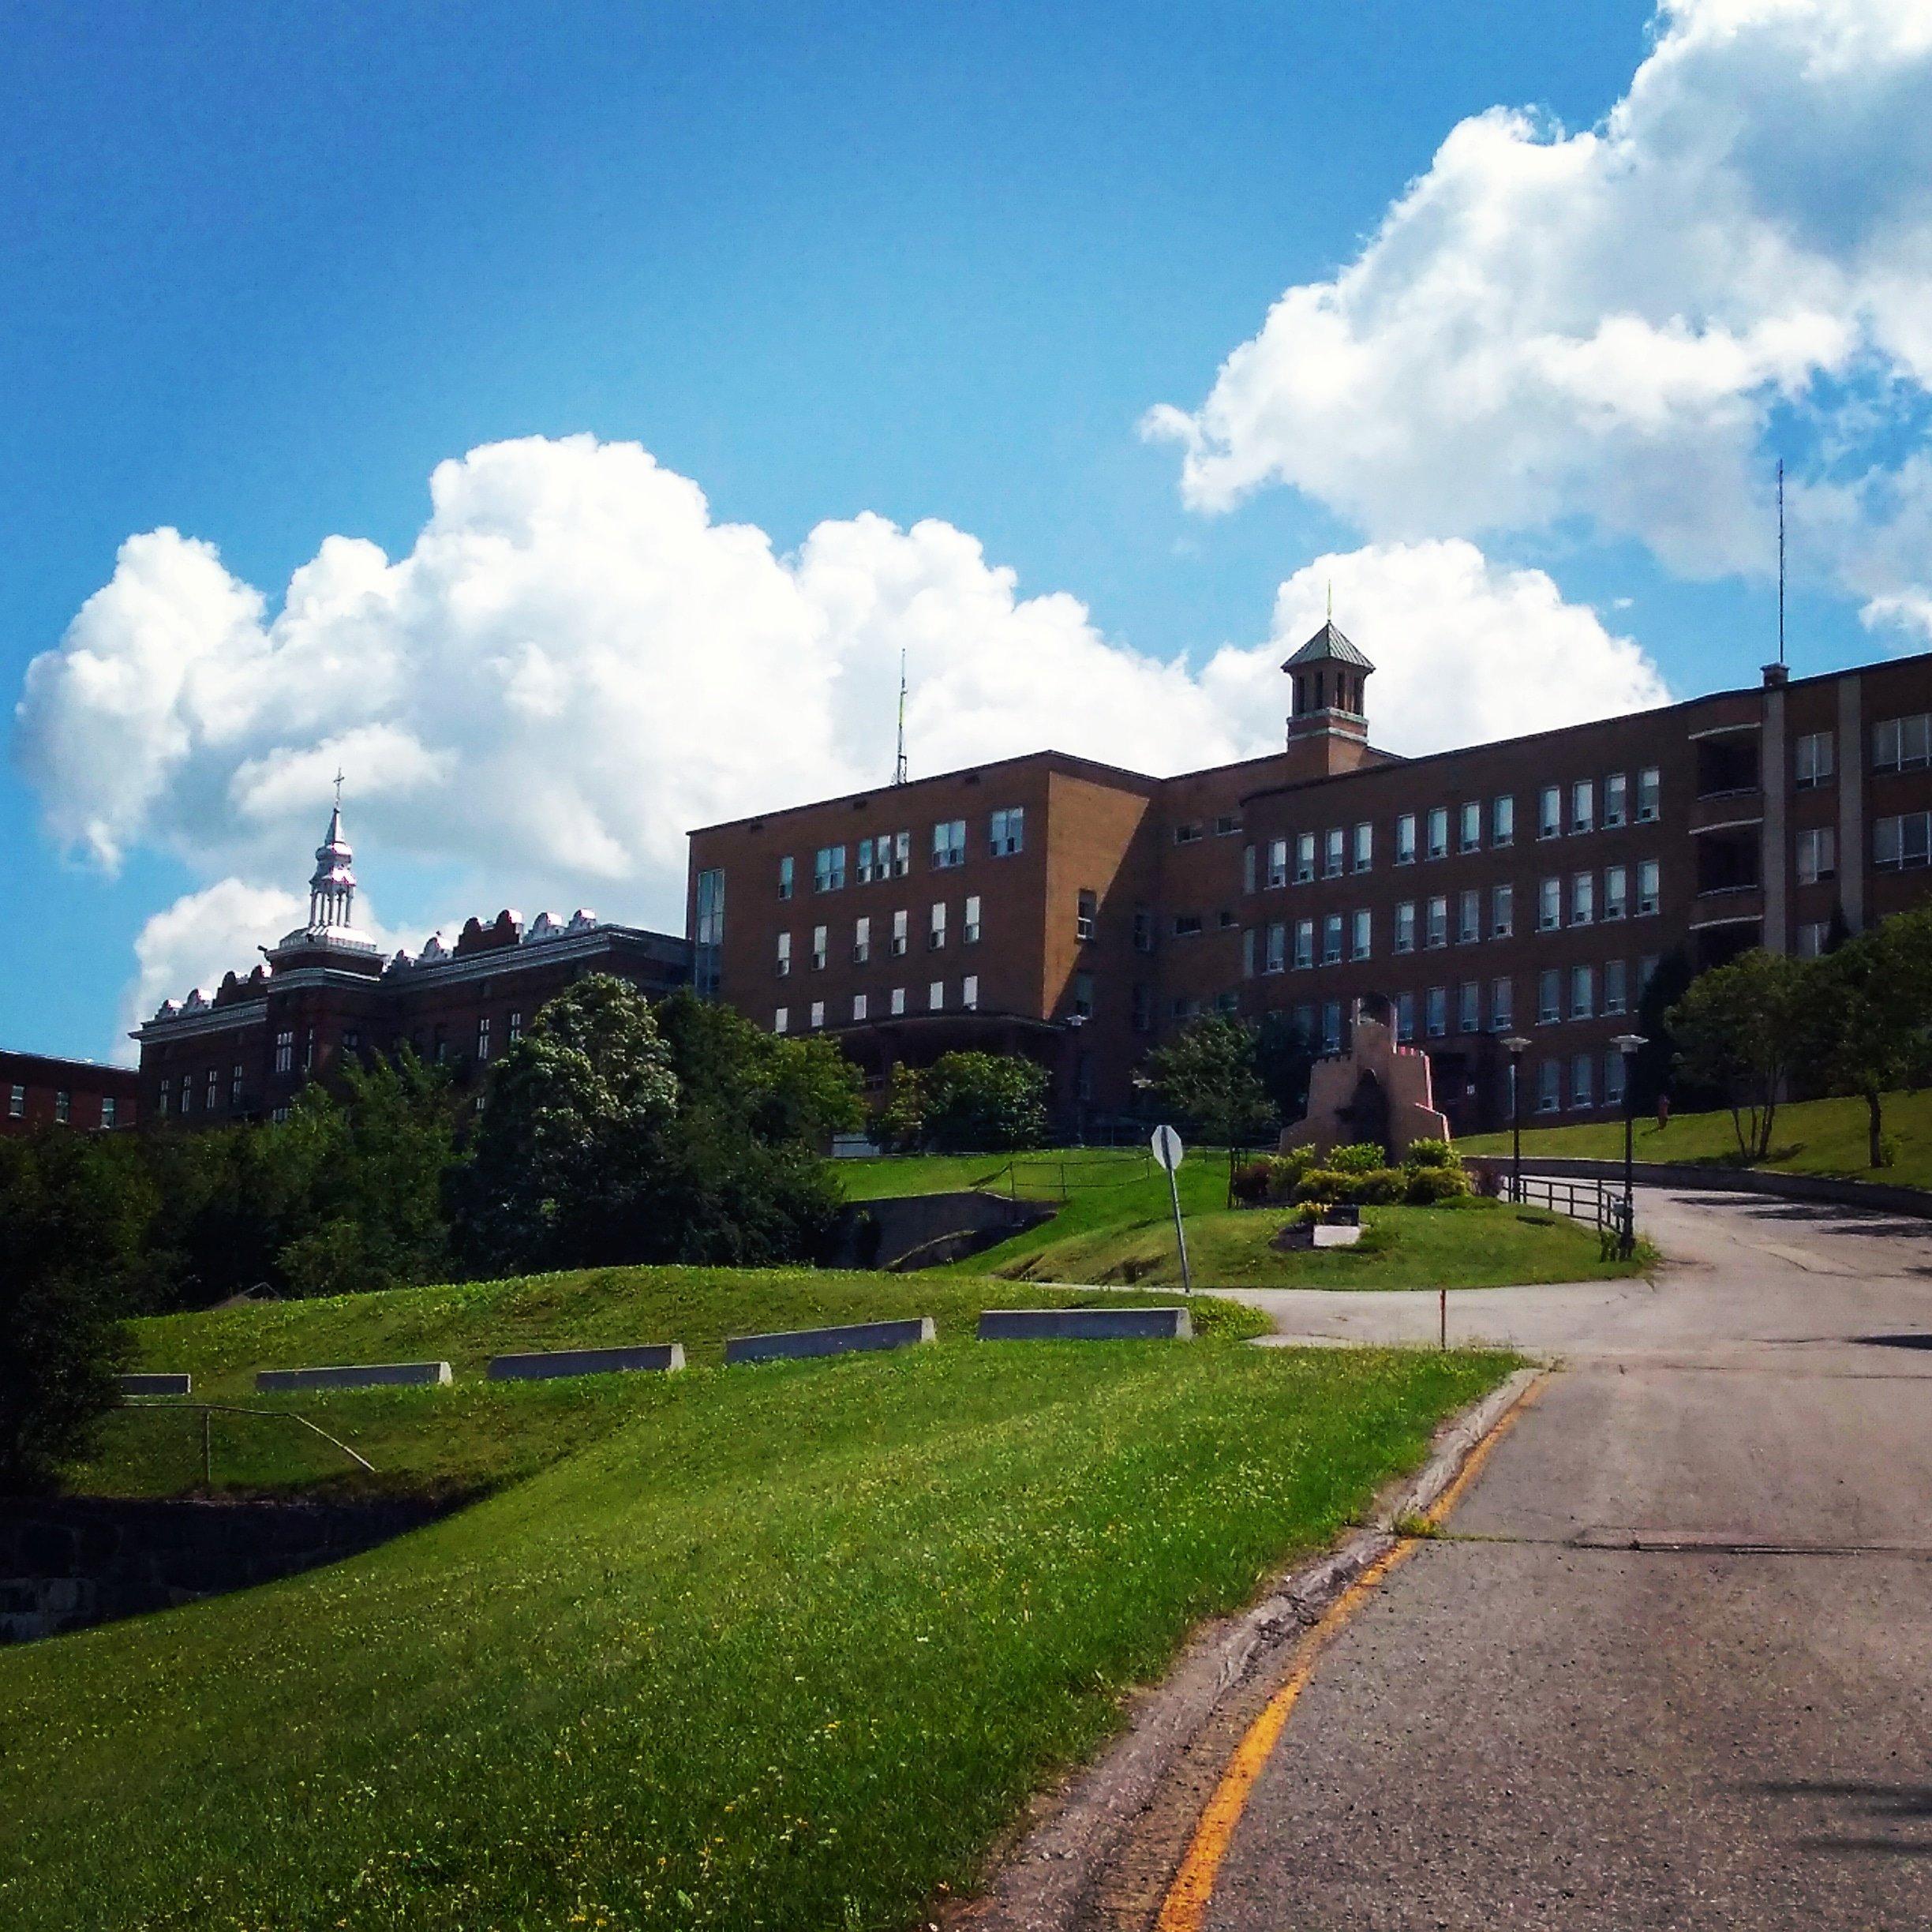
{"x": 63, "y": 1105}
{"x": 894, "y": 1005}
{"x": 889, "y": 855}
{"x": 896, "y": 939}
{"x": 1582, "y": 1069}
{"x": 1903, "y": 743}
{"x": 1579, "y": 992}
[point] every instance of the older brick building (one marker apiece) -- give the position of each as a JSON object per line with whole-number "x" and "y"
{"x": 324, "y": 995}
{"x": 1079, "y": 912}
{"x": 40, "y": 1090}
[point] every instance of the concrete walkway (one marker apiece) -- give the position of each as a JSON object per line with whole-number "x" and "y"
{"x": 1672, "y": 1666}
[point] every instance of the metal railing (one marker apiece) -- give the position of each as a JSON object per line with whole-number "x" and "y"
{"x": 1597, "y": 1203}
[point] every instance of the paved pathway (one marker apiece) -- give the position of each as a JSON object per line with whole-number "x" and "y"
{"x": 1673, "y": 1665}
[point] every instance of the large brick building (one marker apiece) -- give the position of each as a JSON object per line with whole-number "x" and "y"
{"x": 40, "y": 1090}
{"x": 324, "y": 994}
{"x": 1081, "y": 913}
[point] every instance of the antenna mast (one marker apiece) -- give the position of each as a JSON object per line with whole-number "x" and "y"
{"x": 899, "y": 769}
{"x": 1780, "y": 560}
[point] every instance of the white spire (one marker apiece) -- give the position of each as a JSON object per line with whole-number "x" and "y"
{"x": 331, "y": 885}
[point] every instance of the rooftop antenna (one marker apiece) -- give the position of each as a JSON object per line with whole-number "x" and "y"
{"x": 1780, "y": 560}
{"x": 1331, "y": 600}
{"x": 899, "y": 769}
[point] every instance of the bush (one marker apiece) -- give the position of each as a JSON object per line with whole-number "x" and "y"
{"x": 1431, "y": 1154}
{"x": 1889, "y": 1145}
{"x": 984, "y": 1103}
{"x": 1272, "y": 1177}
{"x": 1364, "y": 1157}
{"x": 1252, "y": 1181}
{"x": 1429, "y": 1187}
{"x": 1322, "y": 1184}
{"x": 1378, "y": 1188}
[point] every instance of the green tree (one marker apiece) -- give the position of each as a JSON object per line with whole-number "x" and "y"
{"x": 901, "y": 1124}
{"x": 983, "y": 1102}
{"x": 1284, "y": 1062}
{"x": 1740, "y": 1032}
{"x": 1208, "y": 1076}
{"x": 1868, "y": 1015}
{"x": 785, "y": 1089}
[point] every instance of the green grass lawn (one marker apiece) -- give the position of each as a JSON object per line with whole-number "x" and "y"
{"x": 1044, "y": 1174}
{"x": 479, "y": 1433}
{"x": 788, "y": 1648}
{"x": 1808, "y": 1136}
{"x": 1479, "y": 1245}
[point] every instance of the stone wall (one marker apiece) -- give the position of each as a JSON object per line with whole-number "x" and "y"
{"x": 922, "y": 1230}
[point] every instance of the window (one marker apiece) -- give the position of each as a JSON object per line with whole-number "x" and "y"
{"x": 818, "y": 1014}
{"x": 1549, "y": 811}
{"x": 280, "y": 1116}
{"x": 948, "y": 844}
{"x": 1227, "y": 1005}
{"x": 1471, "y": 827}
{"x": 167, "y": 1090}
{"x": 710, "y": 930}
{"x": 971, "y": 934}
{"x": 1649, "y": 794}
{"x": 1813, "y": 937}
{"x": 1331, "y": 939}
{"x": 1501, "y": 912}
{"x": 1647, "y": 876}
{"x": 1275, "y": 958}
{"x": 1360, "y": 934}
{"x": 1583, "y": 806}
{"x": 108, "y": 1109}
{"x": 1582, "y": 898}
{"x": 1549, "y": 1086}
{"x": 1187, "y": 834}
{"x": 1087, "y": 907}
{"x": 782, "y": 965}
{"x": 1437, "y": 1009}
{"x": 1405, "y": 926}
{"x": 1332, "y": 852}
{"x": 1549, "y": 905}
{"x": 1227, "y": 824}
{"x": 785, "y": 877}
{"x": 1549, "y": 995}
{"x": 1187, "y": 925}
{"x": 935, "y": 997}
{"x": 1277, "y": 862}
{"x": 308, "y": 1050}
{"x": 211, "y": 1093}
{"x": 829, "y": 868}
{"x": 818, "y": 949}
{"x": 1248, "y": 869}
{"x": 16, "y": 1100}
{"x": 899, "y": 922}
{"x": 1469, "y": 924}
{"x": 1305, "y": 944}
{"x": 1818, "y": 855}
{"x": 234, "y": 1081}
{"x": 1083, "y": 996}
{"x": 1436, "y": 933}
{"x": 516, "y": 1033}
{"x": 969, "y": 992}
{"x": 1811, "y": 761}
{"x": 1616, "y": 891}
{"x": 1617, "y": 800}
{"x": 1469, "y": 1007}
{"x": 1616, "y": 987}
{"x": 1248, "y": 953}
{"x": 1224, "y": 919}
{"x": 898, "y": 1000}
{"x": 1332, "y": 1026}
{"x": 1364, "y": 846}
{"x": 861, "y": 941}
{"x": 1405, "y": 1016}
{"x": 1902, "y": 743}
{"x": 63, "y": 1104}
{"x": 1304, "y": 858}
{"x": 858, "y": 1006}
{"x": 1646, "y": 970}
{"x": 1613, "y": 1078}
{"x": 1439, "y": 832}
{"x": 285, "y": 1050}
{"x": 482, "y": 1051}
{"x": 936, "y": 926}
{"x": 1900, "y": 843}
{"x": 1143, "y": 1008}
{"x": 187, "y": 1094}
{"x": 1582, "y": 992}
{"x": 1503, "y": 820}
{"x": 1143, "y": 930}
{"x": 1502, "y": 1005}
{"x": 1582, "y": 1073}
{"x": 351, "y": 1040}
{"x": 781, "y": 1020}
{"x": 1008, "y": 832}
{"x": 1405, "y": 839}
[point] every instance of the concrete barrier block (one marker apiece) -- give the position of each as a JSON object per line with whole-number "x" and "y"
{"x": 156, "y": 1384}
{"x": 844, "y": 1341}
{"x": 366, "y": 1375}
{"x": 659, "y": 1357}
{"x": 1086, "y": 1325}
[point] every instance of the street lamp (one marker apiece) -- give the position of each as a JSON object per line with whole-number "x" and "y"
{"x": 1628, "y": 1045}
{"x": 1515, "y": 1046}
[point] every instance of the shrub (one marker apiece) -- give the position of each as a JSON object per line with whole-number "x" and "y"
{"x": 1322, "y": 1184}
{"x": 1272, "y": 1177}
{"x": 1431, "y": 1154}
{"x": 1378, "y": 1187}
{"x": 1364, "y": 1157}
{"x": 1889, "y": 1145}
{"x": 1429, "y": 1187}
{"x": 1252, "y": 1181}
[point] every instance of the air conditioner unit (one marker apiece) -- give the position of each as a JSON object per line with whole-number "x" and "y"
{"x": 860, "y": 954}
{"x": 935, "y": 940}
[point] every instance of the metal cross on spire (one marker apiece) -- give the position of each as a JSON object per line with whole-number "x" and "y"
{"x": 338, "y": 786}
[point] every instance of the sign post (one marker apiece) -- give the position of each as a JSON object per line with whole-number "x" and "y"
{"x": 1167, "y": 1151}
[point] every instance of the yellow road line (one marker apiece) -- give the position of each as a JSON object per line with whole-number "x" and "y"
{"x": 1185, "y": 1908}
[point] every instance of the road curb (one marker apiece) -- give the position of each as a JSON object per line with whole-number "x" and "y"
{"x": 1041, "y": 1882}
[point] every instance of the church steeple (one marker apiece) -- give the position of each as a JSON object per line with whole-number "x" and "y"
{"x": 331, "y": 885}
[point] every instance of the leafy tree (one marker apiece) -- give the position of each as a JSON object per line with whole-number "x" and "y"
{"x": 1284, "y": 1062}
{"x": 1739, "y": 1032}
{"x": 1208, "y": 1076}
{"x": 984, "y": 1103}
{"x": 1868, "y": 1010}
{"x": 75, "y": 1210}
{"x": 901, "y": 1124}
{"x": 785, "y": 1089}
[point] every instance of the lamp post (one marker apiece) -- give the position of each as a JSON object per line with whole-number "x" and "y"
{"x": 1628, "y": 1045}
{"x": 1515, "y": 1046}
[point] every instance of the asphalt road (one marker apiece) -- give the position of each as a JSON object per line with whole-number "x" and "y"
{"x": 1672, "y": 1665}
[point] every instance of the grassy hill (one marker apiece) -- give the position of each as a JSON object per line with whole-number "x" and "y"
{"x": 1808, "y": 1136}
{"x": 786, "y": 1646}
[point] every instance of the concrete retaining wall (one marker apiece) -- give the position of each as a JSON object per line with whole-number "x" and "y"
{"x": 850, "y": 1338}
{"x": 367, "y": 1375}
{"x": 1718, "y": 1180}
{"x": 1124, "y": 1324}
{"x": 657, "y": 1357}
{"x": 921, "y": 1230}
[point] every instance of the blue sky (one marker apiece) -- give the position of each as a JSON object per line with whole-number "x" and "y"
{"x": 263, "y": 267}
